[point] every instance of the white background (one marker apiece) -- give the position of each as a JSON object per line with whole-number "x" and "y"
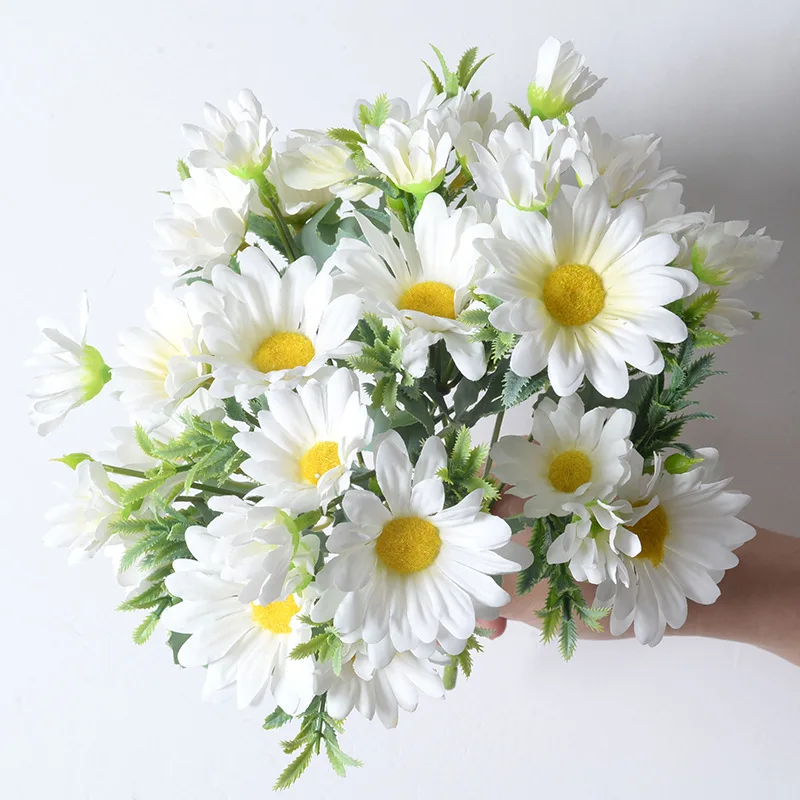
{"x": 92, "y": 96}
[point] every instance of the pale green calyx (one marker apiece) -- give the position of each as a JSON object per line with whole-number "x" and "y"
{"x": 709, "y": 276}
{"x": 95, "y": 373}
{"x": 544, "y": 104}
{"x": 422, "y": 188}
{"x": 253, "y": 172}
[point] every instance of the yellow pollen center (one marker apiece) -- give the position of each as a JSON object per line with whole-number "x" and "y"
{"x": 408, "y": 544}
{"x": 283, "y": 350}
{"x": 275, "y": 616}
{"x": 569, "y": 470}
{"x": 652, "y": 530}
{"x": 430, "y": 297}
{"x": 574, "y": 294}
{"x": 316, "y": 461}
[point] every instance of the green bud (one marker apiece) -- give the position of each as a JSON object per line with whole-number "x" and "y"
{"x": 678, "y": 463}
{"x": 449, "y": 677}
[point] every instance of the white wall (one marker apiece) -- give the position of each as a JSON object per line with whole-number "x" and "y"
{"x": 92, "y": 96}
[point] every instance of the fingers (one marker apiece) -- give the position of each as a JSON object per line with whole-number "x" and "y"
{"x": 496, "y": 626}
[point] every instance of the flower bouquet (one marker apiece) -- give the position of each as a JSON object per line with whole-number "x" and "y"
{"x": 296, "y": 500}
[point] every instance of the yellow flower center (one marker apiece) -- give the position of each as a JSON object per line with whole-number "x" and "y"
{"x": 569, "y": 470}
{"x": 275, "y": 616}
{"x": 283, "y": 350}
{"x": 430, "y": 297}
{"x": 408, "y": 544}
{"x": 652, "y": 530}
{"x": 316, "y": 461}
{"x": 574, "y": 294}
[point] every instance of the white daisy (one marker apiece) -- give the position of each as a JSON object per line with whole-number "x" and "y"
{"x": 688, "y": 528}
{"x": 729, "y": 316}
{"x": 576, "y": 456}
{"x": 631, "y": 165}
{"x": 208, "y": 222}
{"x": 382, "y": 691}
{"x": 562, "y": 81}
{"x": 421, "y": 280}
{"x": 413, "y": 158}
{"x": 316, "y": 163}
{"x": 665, "y": 213}
{"x": 262, "y": 327}
{"x": 305, "y": 446}
{"x": 585, "y": 290}
{"x": 258, "y": 551}
{"x": 83, "y": 523}
{"x": 595, "y": 541}
{"x": 161, "y": 365}
{"x": 411, "y": 567}
{"x": 240, "y": 142}
{"x": 522, "y": 165}
{"x": 723, "y": 253}
{"x": 469, "y": 120}
{"x": 69, "y": 373}
{"x": 297, "y": 205}
{"x": 245, "y": 646}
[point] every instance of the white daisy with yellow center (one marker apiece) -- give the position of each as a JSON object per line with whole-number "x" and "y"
{"x": 380, "y": 691}
{"x": 687, "y": 527}
{"x": 575, "y": 456}
{"x": 585, "y": 290}
{"x": 263, "y": 327}
{"x": 304, "y": 448}
{"x": 245, "y": 646}
{"x": 421, "y": 280}
{"x": 161, "y": 369}
{"x": 410, "y": 567}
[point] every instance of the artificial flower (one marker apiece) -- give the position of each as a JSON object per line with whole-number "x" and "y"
{"x": 262, "y": 327}
{"x": 161, "y": 368}
{"x": 245, "y": 646}
{"x": 585, "y": 290}
{"x": 305, "y": 445}
{"x": 69, "y": 373}
{"x": 421, "y": 280}
{"x": 630, "y": 166}
{"x": 413, "y": 158}
{"x": 688, "y": 529}
{"x": 522, "y": 165}
{"x": 208, "y": 222}
{"x": 84, "y": 523}
{"x": 240, "y": 142}
{"x": 380, "y": 691}
{"x": 576, "y": 456}
{"x": 562, "y": 81}
{"x": 411, "y": 566}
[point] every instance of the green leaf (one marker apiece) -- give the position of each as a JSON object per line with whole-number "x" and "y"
{"x": 705, "y": 337}
{"x": 346, "y": 136}
{"x": 277, "y": 719}
{"x": 466, "y": 395}
{"x": 295, "y": 769}
{"x": 438, "y": 86}
{"x": 380, "y": 110}
{"x": 517, "y": 390}
{"x": 143, "y": 440}
{"x": 524, "y": 117}
{"x": 183, "y": 170}
{"x": 175, "y": 642}
{"x": 309, "y": 648}
{"x": 145, "y": 630}
{"x": 73, "y": 459}
{"x": 568, "y": 639}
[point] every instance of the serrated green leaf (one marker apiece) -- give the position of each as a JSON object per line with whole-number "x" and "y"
{"x": 183, "y": 170}
{"x": 295, "y": 769}
{"x": 277, "y": 719}
{"x": 73, "y": 459}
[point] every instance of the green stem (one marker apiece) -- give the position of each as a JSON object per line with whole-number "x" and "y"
{"x": 203, "y": 487}
{"x": 287, "y": 239}
{"x": 498, "y": 424}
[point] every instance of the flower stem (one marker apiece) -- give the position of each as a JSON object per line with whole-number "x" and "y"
{"x": 498, "y": 424}
{"x": 265, "y": 196}
{"x": 203, "y": 487}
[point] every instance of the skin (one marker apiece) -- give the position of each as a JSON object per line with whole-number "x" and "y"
{"x": 760, "y": 602}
